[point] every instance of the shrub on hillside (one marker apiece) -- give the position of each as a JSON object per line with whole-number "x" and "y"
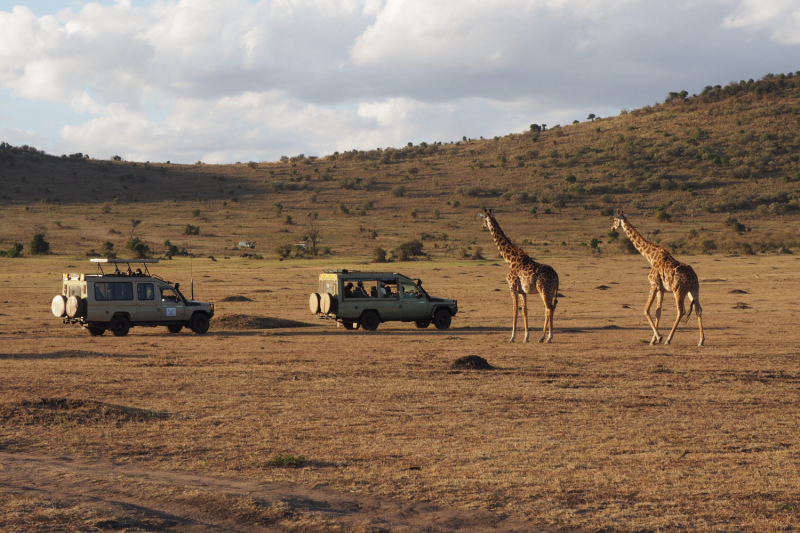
{"x": 14, "y": 251}
{"x": 38, "y": 245}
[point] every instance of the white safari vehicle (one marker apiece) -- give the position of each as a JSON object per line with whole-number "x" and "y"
{"x": 121, "y": 299}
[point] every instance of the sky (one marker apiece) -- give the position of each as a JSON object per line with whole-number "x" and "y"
{"x": 222, "y": 81}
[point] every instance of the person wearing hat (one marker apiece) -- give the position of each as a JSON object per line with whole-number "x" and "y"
{"x": 348, "y": 290}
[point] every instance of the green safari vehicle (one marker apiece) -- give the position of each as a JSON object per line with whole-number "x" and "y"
{"x": 367, "y": 299}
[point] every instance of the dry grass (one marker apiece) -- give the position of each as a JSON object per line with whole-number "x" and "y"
{"x": 596, "y": 431}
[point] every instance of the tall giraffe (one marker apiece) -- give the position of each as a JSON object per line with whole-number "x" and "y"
{"x": 666, "y": 274}
{"x": 525, "y": 276}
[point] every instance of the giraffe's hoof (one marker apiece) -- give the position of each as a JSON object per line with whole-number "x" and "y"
{"x": 702, "y": 341}
{"x": 541, "y": 340}
{"x": 511, "y": 340}
{"x": 666, "y": 342}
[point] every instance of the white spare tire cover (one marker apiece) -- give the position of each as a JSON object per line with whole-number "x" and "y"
{"x": 59, "y": 306}
{"x": 74, "y": 306}
{"x": 313, "y": 303}
{"x": 327, "y": 303}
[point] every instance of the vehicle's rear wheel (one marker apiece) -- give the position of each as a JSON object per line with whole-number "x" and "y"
{"x": 442, "y": 319}
{"x": 370, "y": 320}
{"x": 422, "y": 324}
{"x": 75, "y": 305}
{"x": 175, "y": 328}
{"x": 313, "y": 303}
{"x": 95, "y": 330}
{"x": 199, "y": 323}
{"x": 120, "y": 326}
{"x": 59, "y": 306}
{"x": 349, "y": 326}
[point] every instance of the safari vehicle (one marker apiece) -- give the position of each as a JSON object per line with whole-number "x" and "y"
{"x": 367, "y": 299}
{"x": 118, "y": 301}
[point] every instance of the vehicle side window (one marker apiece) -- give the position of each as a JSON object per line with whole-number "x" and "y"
{"x": 113, "y": 291}
{"x": 146, "y": 291}
{"x": 168, "y": 295}
{"x": 410, "y": 291}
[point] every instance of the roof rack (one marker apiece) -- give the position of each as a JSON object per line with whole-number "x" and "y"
{"x": 99, "y": 262}
{"x": 124, "y": 261}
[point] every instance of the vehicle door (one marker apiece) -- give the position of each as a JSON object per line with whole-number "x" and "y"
{"x": 147, "y": 308}
{"x": 170, "y": 305}
{"x": 388, "y": 303}
{"x": 414, "y": 303}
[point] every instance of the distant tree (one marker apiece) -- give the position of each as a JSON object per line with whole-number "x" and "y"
{"x": 138, "y": 247}
{"x": 314, "y": 232}
{"x": 38, "y": 245}
{"x": 536, "y": 128}
{"x": 591, "y": 117}
{"x": 134, "y": 224}
{"x": 378, "y": 255}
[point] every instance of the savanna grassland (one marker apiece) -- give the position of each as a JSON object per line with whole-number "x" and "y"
{"x": 262, "y": 425}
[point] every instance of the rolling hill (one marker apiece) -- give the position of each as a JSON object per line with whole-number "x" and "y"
{"x": 717, "y": 172}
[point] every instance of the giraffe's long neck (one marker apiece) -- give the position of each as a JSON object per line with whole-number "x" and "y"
{"x": 645, "y": 247}
{"x": 508, "y": 250}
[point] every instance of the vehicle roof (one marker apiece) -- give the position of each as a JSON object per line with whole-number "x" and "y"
{"x": 361, "y": 274}
{"x": 124, "y": 261}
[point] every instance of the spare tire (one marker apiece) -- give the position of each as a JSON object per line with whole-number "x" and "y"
{"x": 313, "y": 303}
{"x": 59, "y": 306}
{"x": 75, "y": 306}
{"x": 327, "y": 303}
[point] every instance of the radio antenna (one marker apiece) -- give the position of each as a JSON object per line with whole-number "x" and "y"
{"x": 191, "y": 274}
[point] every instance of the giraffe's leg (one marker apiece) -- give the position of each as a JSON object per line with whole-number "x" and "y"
{"x": 552, "y": 310}
{"x": 514, "y": 323}
{"x": 680, "y": 297}
{"x": 699, "y": 312}
{"x": 656, "y": 337}
{"x": 659, "y": 302}
{"x": 525, "y": 313}
{"x": 547, "y": 320}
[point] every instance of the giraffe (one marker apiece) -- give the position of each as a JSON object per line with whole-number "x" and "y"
{"x": 666, "y": 274}
{"x": 525, "y": 276}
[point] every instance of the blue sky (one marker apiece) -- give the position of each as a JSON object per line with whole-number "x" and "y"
{"x": 241, "y": 80}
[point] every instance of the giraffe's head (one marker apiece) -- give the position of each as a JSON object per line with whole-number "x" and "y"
{"x": 619, "y": 218}
{"x": 487, "y": 217}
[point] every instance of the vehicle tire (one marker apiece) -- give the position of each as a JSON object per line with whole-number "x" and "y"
{"x": 75, "y": 305}
{"x": 369, "y": 320}
{"x": 95, "y": 330}
{"x": 327, "y": 303}
{"x": 313, "y": 303}
{"x": 59, "y": 306}
{"x": 120, "y": 326}
{"x": 199, "y": 323}
{"x": 442, "y": 319}
{"x": 422, "y": 324}
{"x": 349, "y": 326}
{"x": 175, "y": 328}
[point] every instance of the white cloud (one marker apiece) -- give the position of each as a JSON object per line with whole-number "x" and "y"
{"x": 781, "y": 18}
{"x": 239, "y": 80}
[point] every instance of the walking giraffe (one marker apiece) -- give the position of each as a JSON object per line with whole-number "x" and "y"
{"x": 666, "y": 274}
{"x": 525, "y": 276}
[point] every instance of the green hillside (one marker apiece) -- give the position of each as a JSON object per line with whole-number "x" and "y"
{"x": 718, "y": 172}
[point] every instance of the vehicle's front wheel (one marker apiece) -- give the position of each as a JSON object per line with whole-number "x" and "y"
{"x": 175, "y": 328}
{"x": 95, "y": 330}
{"x": 120, "y": 326}
{"x": 442, "y": 319}
{"x": 422, "y": 324}
{"x": 370, "y": 320}
{"x": 199, "y": 323}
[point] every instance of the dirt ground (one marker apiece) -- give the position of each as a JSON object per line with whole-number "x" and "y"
{"x": 598, "y": 431}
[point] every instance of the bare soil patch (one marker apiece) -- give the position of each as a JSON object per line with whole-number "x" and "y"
{"x": 237, "y": 321}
